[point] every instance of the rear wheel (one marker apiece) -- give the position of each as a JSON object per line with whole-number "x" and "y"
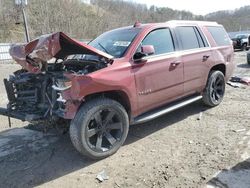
{"x": 215, "y": 89}
{"x": 99, "y": 128}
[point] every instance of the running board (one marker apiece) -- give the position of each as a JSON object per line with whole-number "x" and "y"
{"x": 157, "y": 113}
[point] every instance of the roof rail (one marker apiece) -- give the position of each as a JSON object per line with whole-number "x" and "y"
{"x": 192, "y": 22}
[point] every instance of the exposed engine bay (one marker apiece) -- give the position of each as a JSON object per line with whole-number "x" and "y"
{"x": 38, "y": 96}
{"x": 40, "y": 91}
{"x": 77, "y": 66}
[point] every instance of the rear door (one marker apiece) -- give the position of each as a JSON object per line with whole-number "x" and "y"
{"x": 196, "y": 57}
{"x": 160, "y": 78}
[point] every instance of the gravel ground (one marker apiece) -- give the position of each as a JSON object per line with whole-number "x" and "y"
{"x": 175, "y": 150}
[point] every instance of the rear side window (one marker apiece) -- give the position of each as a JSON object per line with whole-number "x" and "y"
{"x": 188, "y": 38}
{"x": 161, "y": 39}
{"x": 220, "y": 35}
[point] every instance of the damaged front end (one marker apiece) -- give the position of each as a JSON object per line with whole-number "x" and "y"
{"x": 41, "y": 90}
{"x": 32, "y": 97}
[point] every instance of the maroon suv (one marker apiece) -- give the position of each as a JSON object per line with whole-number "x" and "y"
{"x": 125, "y": 76}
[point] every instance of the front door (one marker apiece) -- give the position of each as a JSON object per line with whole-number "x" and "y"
{"x": 160, "y": 78}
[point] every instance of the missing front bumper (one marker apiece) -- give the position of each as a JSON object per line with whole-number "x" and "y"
{"x": 18, "y": 115}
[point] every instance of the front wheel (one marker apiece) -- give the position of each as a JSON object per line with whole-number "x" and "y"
{"x": 99, "y": 128}
{"x": 248, "y": 58}
{"x": 244, "y": 47}
{"x": 215, "y": 89}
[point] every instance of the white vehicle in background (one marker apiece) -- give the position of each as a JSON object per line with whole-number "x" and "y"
{"x": 241, "y": 41}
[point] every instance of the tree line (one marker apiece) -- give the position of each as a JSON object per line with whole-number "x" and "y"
{"x": 86, "y": 21}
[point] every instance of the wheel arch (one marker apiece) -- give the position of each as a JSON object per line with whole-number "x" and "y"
{"x": 117, "y": 95}
{"x": 219, "y": 67}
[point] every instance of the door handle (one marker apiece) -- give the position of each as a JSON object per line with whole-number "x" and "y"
{"x": 175, "y": 63}
{"x": 205, "y": 58}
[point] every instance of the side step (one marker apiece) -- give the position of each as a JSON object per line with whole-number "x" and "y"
{"x": 164, "y": 110}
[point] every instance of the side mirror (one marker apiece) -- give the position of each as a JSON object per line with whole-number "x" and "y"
{"x": 146, "y": 50}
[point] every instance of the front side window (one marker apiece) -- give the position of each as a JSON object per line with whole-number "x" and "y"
{"x": 188, "y": 38}
{"x": 161, "y": 39}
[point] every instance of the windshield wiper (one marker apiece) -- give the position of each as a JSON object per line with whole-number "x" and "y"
{"x": 103, "y": 47}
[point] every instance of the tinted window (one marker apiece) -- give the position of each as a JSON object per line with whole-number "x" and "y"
{"x": 115, "y": 42}
{"x": 161, "y": 39}
{"x": 220, "y": 36}
{"x": 188, "y": 37}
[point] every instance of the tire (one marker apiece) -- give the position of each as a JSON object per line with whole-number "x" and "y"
{"x": 248, "y": 58}
{"x": 244, "y": 47}
{"x": 99, "y": 128}
{"x": 215, "y": 89}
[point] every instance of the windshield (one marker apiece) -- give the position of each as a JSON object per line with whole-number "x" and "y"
{"x": 241, "y": 36}
{"x": 115, "y": 42}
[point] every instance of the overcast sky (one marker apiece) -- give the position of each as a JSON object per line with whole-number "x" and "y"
{"x": 197, "y": 6}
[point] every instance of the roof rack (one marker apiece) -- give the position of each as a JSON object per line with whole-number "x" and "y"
{"x": 192, "y": 22}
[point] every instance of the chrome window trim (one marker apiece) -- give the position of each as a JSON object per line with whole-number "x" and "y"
{"x": 177, "y": 52}
{"x": 196, "y": 50}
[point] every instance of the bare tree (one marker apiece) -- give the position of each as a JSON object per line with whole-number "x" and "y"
{"x": 87, "y": 21}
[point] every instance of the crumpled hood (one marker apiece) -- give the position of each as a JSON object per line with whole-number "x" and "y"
{"x": 33, "y": 55}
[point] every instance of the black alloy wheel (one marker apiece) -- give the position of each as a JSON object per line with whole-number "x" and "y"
{"x": 99, "y": 128}
{"x": 104, "y": 130}
{"x": 215, "y": 89}
{"x": 218, "y": 89}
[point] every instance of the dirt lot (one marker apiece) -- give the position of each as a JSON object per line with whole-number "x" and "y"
{"x": 176, "y": 150}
